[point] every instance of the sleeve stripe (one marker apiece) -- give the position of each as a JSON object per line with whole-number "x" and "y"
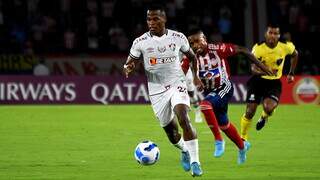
{"x": 133, "y": 57}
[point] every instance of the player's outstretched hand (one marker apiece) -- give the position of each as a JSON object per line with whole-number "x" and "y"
{"x": 197, "y": 82}
{"x": 128, "y": 68}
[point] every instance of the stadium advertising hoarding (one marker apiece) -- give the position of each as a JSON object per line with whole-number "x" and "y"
{"x": 72, "y": 90}
{"x": 17, "y": 64}
{"x": 305, "y": 90}
{"x": 119, "y": 90}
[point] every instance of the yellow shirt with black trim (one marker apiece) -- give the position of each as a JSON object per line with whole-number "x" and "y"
{"x": 273, "y": 57}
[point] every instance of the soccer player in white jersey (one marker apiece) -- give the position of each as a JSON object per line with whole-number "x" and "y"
{"x": 159, "y": 48}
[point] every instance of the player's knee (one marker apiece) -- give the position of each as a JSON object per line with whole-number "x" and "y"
{"x": 268, "y": 110}
{"x": 205, "y": 105}
{"x": 183, "y": 118}
{"x": 269, "y": 105}
{"x": 181, "y": 111}
{"x": 224, "y": 126}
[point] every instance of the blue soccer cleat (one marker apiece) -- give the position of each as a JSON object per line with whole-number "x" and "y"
{"x": 185, "y": 161}
{"x": 196, "y": 169}
{"x": 242, "y": 152}
{"x": 219, "y": 148}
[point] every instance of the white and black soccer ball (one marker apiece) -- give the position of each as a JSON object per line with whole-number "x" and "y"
{"x": 147, "y": 153}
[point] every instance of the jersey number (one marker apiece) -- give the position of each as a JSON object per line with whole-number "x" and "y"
{"x": 181, "y": 89}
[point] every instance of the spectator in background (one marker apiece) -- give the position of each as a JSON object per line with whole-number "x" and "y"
{"x": 41, "y": 69}
{"x": 69, "y": 40}
{"x": 92, "y": 32}
{"x": 118, "y": 40}
{"x": 215, "y": 36}
{"x": 224, "y": 22}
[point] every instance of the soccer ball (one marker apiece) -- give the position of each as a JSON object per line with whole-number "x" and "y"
{"x": 147, "y": 153}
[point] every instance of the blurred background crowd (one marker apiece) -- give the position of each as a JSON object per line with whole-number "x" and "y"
{"x": 107, "y": 27}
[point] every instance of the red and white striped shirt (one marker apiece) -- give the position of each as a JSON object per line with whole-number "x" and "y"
{"x": 213, "y": 66}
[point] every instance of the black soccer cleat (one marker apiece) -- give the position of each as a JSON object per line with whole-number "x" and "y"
{"x": 260, "y": 124}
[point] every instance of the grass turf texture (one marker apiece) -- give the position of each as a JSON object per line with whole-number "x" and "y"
{"x": 97, "y": 142}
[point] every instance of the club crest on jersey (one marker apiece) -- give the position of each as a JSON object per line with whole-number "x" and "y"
{"x": 172, "y": 46}
{"x": 162, "y": 49}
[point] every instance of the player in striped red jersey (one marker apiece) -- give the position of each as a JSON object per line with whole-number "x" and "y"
{"x": 214, "y": 73}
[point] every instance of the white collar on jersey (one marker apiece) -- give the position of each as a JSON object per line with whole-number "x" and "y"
{"x": 165, "y": 34}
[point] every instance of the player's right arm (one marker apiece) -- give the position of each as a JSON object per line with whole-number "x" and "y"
{"x": 257, "y": 71}
{"x": 255, "y": 68}
{"x": 135, "y": 53}
{"x": 129, "y": 66}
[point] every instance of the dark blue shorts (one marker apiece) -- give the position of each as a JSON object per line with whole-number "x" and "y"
{"x": 219, "y": 99}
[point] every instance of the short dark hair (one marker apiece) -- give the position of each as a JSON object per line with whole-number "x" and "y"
{"x": 156, "y": 6}
{"x": 273, "y": 25}
{"x": 193, "y": 31}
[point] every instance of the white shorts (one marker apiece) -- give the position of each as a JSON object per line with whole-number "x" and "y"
{"x": 164, "y": 103}
{"x": 189, "y": 81}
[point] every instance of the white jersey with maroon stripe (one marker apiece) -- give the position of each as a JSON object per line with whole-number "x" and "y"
{"x": 213, "y": 68}
{"x": 161, "y": 59}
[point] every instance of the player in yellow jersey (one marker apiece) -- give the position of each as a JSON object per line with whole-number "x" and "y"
{"x": 266, "y": 89}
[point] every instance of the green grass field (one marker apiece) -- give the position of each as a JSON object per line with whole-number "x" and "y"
{"x": 97, "y": 142}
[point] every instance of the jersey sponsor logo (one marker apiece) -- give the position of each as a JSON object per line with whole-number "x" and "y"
{"x": 164, "y": 60}
{"x": 162, "y": 49}
{"x": 209, "y": 74}
{"x": 307, "y": 91}
{"x": 153, "y": 61}
{"x": 221, "y": 47}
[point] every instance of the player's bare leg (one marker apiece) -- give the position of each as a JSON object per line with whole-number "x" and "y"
{"x": 268, "y": 107}
{"x": 246, "y": 119}
{"x": 190, "y": 137}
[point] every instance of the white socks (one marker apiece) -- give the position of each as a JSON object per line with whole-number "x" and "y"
{"x": 193, "y": 149}
{"x": 181, "y": 145}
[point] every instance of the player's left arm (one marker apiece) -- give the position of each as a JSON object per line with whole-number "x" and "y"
{"x": 293, "y": 65}
{"x": 194, "y": 68}
{"x": 253, "y": 59}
